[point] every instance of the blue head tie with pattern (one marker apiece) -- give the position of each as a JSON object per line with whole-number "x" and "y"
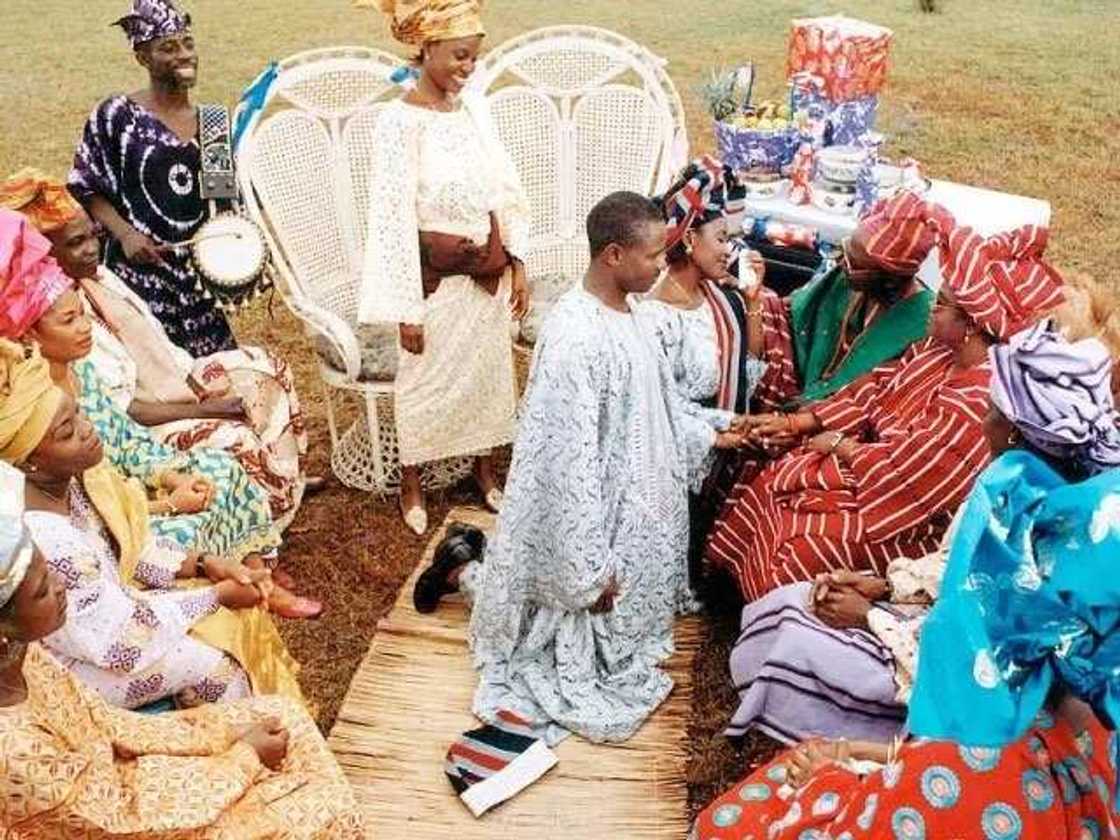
{"x": 1030, "y": 600}
{"x": 151, "y": 19}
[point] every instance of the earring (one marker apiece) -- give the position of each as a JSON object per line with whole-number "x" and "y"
{"x": 1013, "y": 438}
{"x": 31, "y": 468}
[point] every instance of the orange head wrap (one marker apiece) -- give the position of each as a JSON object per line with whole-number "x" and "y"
{"x": 45, "y": 201}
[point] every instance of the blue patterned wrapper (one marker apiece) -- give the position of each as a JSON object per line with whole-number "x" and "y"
{"x": 806, "y": 94}
{"x": 867, "y": 186}
{"x": 744, "y": 148}
{"x": 848, "y": 121}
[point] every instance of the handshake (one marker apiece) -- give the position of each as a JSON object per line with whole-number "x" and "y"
{"x": 767, "y": 431}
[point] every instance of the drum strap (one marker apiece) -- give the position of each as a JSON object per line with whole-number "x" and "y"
{"x": 218, "y": 181}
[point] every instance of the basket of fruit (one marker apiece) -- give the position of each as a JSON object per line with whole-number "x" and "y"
{"x": 751, "y": 137}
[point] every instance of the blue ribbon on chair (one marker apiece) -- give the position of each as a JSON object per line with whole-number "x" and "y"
{"x": 252, "y": 100}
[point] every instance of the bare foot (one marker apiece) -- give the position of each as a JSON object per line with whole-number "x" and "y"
{"x": 411, "y": 495}
{"x": 484, "y": 474}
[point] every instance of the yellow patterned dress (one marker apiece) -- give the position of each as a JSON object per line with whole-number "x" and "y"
{"x": 72, "y": 767}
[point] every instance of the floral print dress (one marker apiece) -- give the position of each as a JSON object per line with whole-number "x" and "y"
{"x": 1052, "y": 783}
{"x": 132, "y": 647}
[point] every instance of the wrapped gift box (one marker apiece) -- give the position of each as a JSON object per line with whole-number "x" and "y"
{"x": 850, "y": 56}
{"x": 851, "y": 120}
{"x": 847, "y": 121}
{"x": 747, "y": 148}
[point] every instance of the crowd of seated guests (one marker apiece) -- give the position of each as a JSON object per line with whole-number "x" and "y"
{"x": 913, "y": 490}
{"x": 150, "y": 468}
{"x": 859, "y": 516}
{"x": 1006, "y": 683}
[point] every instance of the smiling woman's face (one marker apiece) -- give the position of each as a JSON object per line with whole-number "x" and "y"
{"x": 64, "y": 333}
{"x": 450, "y": 63}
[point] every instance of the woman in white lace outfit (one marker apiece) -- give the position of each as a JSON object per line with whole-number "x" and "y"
{"x": 447, "y": 231}
{"x": 698, "y": 309}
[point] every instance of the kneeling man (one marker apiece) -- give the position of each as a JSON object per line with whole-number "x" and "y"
{"x": 575, "y": 595}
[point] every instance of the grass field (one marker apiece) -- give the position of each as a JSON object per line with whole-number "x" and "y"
{"x": 1015, "y": 95}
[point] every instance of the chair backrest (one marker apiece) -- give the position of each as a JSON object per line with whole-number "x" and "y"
{"x": 303, "y": 164}
{"x": 583, "y": 112}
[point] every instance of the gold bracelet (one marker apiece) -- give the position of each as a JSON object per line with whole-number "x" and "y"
{"x": 839, "y": 439}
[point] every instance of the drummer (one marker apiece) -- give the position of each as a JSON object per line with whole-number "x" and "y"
{"x": 137, "y": 170}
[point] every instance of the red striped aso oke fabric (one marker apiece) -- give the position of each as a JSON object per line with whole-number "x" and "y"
{"x": 1002, "y": 281}
{"x": 920, "y": 419}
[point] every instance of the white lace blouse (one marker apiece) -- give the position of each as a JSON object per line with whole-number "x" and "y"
{"x": 433, "y": 171}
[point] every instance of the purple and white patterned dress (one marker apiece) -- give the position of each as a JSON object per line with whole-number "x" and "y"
{"x": 129, "y": 157}
{"x": 132, "y": 647}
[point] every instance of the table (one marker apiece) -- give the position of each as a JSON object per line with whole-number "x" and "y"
{"x": 987, "y": 211}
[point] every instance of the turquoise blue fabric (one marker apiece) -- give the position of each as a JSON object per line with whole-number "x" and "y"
{"x": 1031, "y": 597}
{"x": 252, "y": 101}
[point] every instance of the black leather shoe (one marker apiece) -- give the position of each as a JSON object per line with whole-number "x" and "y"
{"x": 456, "y": 550}
{"x": 471, "y": 534}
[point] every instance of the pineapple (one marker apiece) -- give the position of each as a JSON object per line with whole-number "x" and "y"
{"x": 728, "y": 92}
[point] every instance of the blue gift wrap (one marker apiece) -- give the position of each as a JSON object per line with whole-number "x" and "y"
{"x": 745, "y": 148}
{"x": 851, "y": 120}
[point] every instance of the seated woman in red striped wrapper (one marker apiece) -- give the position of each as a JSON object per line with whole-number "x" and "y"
{"x": 882, "y": 464}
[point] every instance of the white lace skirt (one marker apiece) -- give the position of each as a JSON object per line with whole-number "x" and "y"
{"x": 457, "y": 397}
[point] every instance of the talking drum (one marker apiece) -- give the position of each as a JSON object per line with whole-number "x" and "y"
{"x": 230, "y": 254}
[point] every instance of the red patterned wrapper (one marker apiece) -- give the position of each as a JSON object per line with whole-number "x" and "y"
{"x": 849, "y": 55}
{"x": 801, "y": 175}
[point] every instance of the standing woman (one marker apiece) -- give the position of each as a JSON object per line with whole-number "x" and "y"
{"x": 447, "y": 234}
{"x": 137, "y": 171}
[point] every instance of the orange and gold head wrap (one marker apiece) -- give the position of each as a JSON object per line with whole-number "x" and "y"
{"x": 418, "y": 22}
{"x": 29, "y": 400}
{"x": 45, "y": 201}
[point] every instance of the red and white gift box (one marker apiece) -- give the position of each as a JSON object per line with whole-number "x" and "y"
{"x": 850, "y": 56}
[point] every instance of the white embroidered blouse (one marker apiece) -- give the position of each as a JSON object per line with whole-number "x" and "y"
{"x": 433, "y": 171}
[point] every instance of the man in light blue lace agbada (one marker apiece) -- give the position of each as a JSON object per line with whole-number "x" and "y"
{"x": 575, "y": 599}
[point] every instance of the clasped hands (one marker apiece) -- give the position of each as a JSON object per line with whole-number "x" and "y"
{"x": 842, "y": 599}
{"x": 184, "y": 493}
{"x": 267, "y": 737}
{"x": 779, "y": 431}
{"x": 771, "y": 430}
{"x": 808, "y": 757}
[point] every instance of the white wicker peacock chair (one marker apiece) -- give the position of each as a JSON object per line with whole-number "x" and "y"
{"x": 303, "y": 163}
{"x": 583, "y": 112}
